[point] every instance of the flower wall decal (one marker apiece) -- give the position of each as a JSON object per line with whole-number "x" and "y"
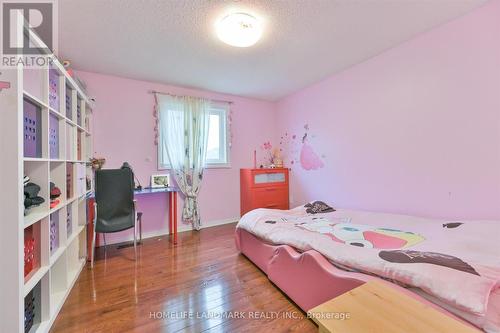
{"x": 299, "y": 150}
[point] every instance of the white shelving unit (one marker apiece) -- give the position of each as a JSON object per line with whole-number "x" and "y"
{"x": 60, "y": 154}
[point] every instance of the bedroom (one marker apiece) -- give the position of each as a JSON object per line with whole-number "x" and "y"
{"x": 250, "y": 166}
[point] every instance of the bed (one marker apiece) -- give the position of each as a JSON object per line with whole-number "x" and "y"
{"x": 314, "y": 253}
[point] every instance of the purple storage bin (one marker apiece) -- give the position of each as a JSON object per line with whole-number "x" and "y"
{"x": 69, "y": 225}
{"x": 29, "y": 311}
{"x": 53, "y": 136}
{"x": 32, "y": 308}
{"x": 54, "y": 232}
{"x": 79, "y": 112}
{"x": 32, "y": 129}
{"x": 53, "y": 89}
{"x": 68, "y": 103}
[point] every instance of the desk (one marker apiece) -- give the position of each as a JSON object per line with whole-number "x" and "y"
{"x": 172, "y": 205}
{"x": 172, "y": 211}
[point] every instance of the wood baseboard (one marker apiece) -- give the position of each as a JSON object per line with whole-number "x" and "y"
{"x": 182, "y": 228}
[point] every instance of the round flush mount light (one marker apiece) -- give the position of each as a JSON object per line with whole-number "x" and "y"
{"x": 239, "y": 29}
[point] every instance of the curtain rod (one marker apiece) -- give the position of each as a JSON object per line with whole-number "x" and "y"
{"x": 170, "y": 94}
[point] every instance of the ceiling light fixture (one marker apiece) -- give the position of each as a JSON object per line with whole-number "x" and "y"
{"x": 239, "y": 29}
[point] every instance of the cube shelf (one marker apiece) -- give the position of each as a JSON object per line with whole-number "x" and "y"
{"x": 47, "y": 117}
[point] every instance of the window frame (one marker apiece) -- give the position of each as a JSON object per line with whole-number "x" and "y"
{"x": 222, "y": 111}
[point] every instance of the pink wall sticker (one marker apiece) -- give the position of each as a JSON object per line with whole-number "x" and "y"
{"x": 298, "y": 150}
{"x": 4, "y": 85}
{"x": 309, "y": 159}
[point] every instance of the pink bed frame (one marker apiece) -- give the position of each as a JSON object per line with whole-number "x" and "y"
{"x": 308, "y": 278}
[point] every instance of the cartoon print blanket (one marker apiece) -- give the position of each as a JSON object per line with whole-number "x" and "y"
{"x": 457, "y": 262}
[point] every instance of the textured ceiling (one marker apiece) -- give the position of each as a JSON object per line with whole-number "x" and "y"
{"x": 304, "y": 41}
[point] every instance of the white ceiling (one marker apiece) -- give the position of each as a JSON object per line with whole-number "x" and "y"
{"x": 173, "y": 41}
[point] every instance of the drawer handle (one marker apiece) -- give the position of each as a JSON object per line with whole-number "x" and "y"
{"x": 270, "y": 189}
{"x": 272, "y": 205}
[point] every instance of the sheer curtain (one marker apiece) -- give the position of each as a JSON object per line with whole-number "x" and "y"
{"x": 184, "y": 124}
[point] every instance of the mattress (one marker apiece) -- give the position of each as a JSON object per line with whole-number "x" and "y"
{"x": 489, "y": 323}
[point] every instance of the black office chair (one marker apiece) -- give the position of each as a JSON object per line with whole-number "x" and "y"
{"x": 114, "y": 208}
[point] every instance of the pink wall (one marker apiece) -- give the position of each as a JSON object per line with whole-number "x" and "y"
{"x": 123, "y": 131}
{"x": 414, "y": 130}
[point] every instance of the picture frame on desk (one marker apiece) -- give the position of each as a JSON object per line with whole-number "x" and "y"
{"x": 160, "y": 181}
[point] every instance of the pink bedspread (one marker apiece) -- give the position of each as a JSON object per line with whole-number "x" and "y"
{"x": 458, "y": 262}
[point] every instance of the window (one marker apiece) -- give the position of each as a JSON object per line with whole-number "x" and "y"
{"x": 217, "y": 149}
{"x": 218, "y": 146}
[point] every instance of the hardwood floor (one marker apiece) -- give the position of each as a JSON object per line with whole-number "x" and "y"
{"x": 201, "y": 285}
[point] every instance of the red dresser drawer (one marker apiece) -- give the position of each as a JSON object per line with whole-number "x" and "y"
{"x": 271, "y": 197}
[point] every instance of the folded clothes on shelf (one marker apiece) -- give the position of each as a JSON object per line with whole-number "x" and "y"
{"x": 31, "y": 197}
{"x": 32, "y": 202}
{"x": 55, "y": 193}
{"x": 54, "y": 203}
{"x": 31, "y": 190}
